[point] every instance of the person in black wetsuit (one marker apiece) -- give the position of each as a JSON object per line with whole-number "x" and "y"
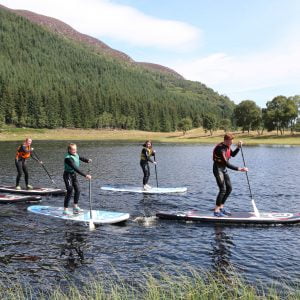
{"x": 146, "y": 154}
{"x": 72, "y": 163}
{"x": 221, "y": 155}
{"x": 24, "y": 152}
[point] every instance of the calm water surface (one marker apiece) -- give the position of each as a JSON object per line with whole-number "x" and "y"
{"x": 44, "y": 252}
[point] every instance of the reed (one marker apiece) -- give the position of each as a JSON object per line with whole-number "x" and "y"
{"x": 194, "y": 286}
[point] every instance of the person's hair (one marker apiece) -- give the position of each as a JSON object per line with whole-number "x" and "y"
{"x": 27, "y": 139}
{"x": 228, "y": 136}
{"x": 145, "y": 144}
{"x": 71, "y": 145}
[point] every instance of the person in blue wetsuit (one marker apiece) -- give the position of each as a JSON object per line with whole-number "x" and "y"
{"x": 146, "y": 154}
{"x": 72, "y": 163}
{"x": 221, "y": 155}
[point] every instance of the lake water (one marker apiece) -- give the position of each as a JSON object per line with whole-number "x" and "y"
{"x": 44, "y": 251}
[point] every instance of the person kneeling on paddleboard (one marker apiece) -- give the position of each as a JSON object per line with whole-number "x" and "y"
{"x": 221, "y": 155}
{"x": 146, "y": 154}
{"x": 72, "y": 163}
{"x": 23, "y": 153}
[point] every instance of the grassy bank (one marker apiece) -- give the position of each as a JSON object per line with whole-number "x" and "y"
{"x": 205, "y": 286}
{"x": 193, "y": 136}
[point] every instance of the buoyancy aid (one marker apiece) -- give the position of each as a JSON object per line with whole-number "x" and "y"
{"x": 218, "y": 156}
{"x": 149, "y": 151}
{"x": 76, "y": 160}
{"x": 23, "y": 154}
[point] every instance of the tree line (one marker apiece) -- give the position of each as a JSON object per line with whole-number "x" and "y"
{"x": 47, "y": 81}
{"x": 281, "y": 114}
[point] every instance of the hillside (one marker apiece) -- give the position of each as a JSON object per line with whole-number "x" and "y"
{"x": 67, "y": 31}
{"x": 48, "y": 80}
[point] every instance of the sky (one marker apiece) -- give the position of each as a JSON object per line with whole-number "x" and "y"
{"x": 244, "y": 49}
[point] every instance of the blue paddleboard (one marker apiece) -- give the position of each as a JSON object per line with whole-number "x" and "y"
{"x": 98, "y": 216}
{"x": 153, "y": 190}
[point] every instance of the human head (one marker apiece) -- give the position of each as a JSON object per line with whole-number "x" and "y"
{"x": 72, "y": 148}
{"x": 228, "y": 137}
{"x": 148, "y": 144}
{"x": 28, "y": 141}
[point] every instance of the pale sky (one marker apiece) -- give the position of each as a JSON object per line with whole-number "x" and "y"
{"x": 245, "y": 49}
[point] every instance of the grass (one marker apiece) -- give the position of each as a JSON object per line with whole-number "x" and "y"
{"x": 204, "y": 286}
{"x": 193, "y": 136}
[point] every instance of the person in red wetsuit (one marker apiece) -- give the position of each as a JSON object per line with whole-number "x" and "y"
{"x": 221, "y": 155}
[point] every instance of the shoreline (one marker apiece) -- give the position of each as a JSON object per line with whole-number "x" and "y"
{"x": 194, "y": 136}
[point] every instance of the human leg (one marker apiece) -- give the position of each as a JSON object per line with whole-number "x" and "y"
{"x": 25, "y": 171}
{"x": 146, "y": 172}
{"x": 69, "y": 187}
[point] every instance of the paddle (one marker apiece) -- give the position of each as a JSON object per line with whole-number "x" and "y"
{"x": 91, "y": 224}
{"x": 42, "y": 164}
{"x": 155, "y": 172}
{"x": 256, "y": 212}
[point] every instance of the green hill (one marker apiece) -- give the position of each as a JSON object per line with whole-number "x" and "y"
{"x": 49, "y": 81}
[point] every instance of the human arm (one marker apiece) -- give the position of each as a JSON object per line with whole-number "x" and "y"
{"x": 236, "y": 151}
{"x": 86, "y": 160}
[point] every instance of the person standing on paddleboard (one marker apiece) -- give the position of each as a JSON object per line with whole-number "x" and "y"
{"x": 221, "y": 155}
{"x": 72, "y": 163}
{"x": 23, "y": 153}
{"x": 146, "y": 154}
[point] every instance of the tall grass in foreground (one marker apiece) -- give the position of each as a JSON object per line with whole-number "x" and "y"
{"x": 167, "y": 287}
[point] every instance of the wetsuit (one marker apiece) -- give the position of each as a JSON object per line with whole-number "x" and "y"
{"x": 221, "y": 156}
{"x": 23, "y": 153}
{"x": 72, "y": 163}
{"x": 145, "y": 158}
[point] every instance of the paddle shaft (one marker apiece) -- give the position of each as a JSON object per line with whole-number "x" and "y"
{"x": 246, "y": 173}
{"x": 90, "y": 198}
{"x": 155, "y": 172}
{"x": 44, "y": 167}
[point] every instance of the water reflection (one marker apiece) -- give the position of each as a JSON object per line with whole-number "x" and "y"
{"x": 73, "y": 250}
{"x": 147, "y": 205}
{"x": 221, "y": 250}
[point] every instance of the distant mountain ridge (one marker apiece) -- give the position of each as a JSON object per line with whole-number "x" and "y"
{"x": 67, "y": 31}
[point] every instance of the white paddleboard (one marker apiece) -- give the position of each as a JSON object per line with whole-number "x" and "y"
{"x": 9, "y": 198}
{"x": 34, "y": 191}
{"x": 99, "y": 216}
{"x": 153, "y": 190}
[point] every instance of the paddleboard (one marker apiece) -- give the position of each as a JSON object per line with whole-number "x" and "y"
{"x": 5, "y": 198}
{"x": 235, "y": 218}
{"x": 153, "y": 190}
{"x": 99, "y": 216}
{"x": 35, "y": 191}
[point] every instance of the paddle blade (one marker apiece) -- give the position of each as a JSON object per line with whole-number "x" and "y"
{"x": 256, "y": 212}
{"x": 92, "y": 225}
